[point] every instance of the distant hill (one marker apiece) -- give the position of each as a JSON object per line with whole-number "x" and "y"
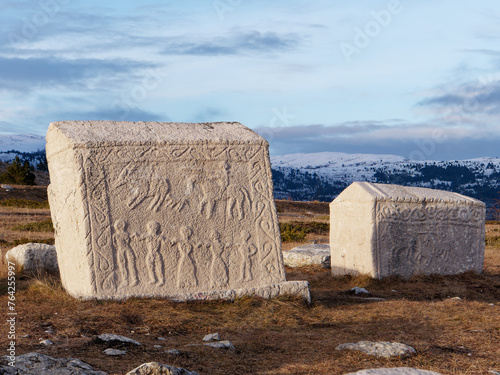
{"x": 322, "y": 176}
{"x": 21, "y": 142}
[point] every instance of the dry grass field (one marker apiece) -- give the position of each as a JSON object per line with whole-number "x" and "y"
{"x": 279, "y": 336}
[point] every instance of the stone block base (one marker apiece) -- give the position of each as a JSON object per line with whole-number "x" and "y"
{"x": 293, "y": 288}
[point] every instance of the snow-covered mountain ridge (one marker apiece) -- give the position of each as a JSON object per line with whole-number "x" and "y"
{"x": 322, "y": 176}
{"x": 21, "y": 142}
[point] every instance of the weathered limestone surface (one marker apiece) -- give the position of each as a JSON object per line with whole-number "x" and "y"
{"x": 34, "y": 257}
{"x": 384, "y": 230}
{"x": 394, "y": 371}
{"x": 184, "y": 211}
{"x": 307, "y": 255}
{"x": 156, "y": 368}
{"x": 41, "y": 364}
{"x": 380, "y": 349}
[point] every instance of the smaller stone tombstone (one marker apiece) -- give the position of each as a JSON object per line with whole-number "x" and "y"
{"x": 383, "y": 230}
{"x": 176, "y": 210}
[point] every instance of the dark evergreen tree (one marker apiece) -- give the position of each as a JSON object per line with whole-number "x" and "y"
{"x": 18, "y": 173}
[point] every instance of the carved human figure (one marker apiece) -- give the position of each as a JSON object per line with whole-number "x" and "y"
{"x": 213, "y": 189}
{"x": 247, "y": 250}
{"x": 154, "y": 259}
{"x": 238, "y": 199}
{"x": 124, "y": 255}
{"x": 186, "y": 271}
{"x": 218, "y": 268}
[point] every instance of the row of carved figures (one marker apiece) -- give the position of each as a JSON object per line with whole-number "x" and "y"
{"x": 187, "y": 273}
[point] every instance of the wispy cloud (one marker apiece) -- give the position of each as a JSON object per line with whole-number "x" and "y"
{"x": 235, "y": 44}
{"x": 30, "y": 73}
{"x": 476, "y": 97}
{"x": 392, "y": 136}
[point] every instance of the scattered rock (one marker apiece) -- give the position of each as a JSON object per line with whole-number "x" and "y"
{"x": 6, "y": 187}
{"x": 34, "y": 257}
{"x": 307, "y": 255}
{"x": 41, "y": 364}
{"x": 495, "y": 372}
{"x": 212, "y": 337}
{"x": 114, "y": 352}
{"x": 394, "y": 371}
{"x": 173, "y": 352}
{"x": 46, "y": 342}
{"x": 116, "y": 339}
{"x": 380, "y": 349}
{"x": 226, "y": 344}
{"x": 359, "y": 291}
{"x": 158, "y": 346}
{"x": 161, "y": 338}
{"x": 155, "y": 368}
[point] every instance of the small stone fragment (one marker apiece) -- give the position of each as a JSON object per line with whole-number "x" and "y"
{"x": 357, "y": 290}
{"x": 155, "y": 368}
{"x": 158, "y": 346}
{"x": 111, "y": 338}
{"x": 380, "y": 349}
{"x": 211, "y": 337}
{"x": 41, "y": 364}
{"x": 226, "y": 344}
{"x": 114, "y": 352}
{"x": 173, "y": 352}
{"x": 394, "y": 371}
{"x": 46, "y": 342}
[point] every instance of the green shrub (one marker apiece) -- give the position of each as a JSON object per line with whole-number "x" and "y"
{"x": 292, "y": 232}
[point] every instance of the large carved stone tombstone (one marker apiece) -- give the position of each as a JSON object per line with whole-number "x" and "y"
{"x": 383, "y": 230}
{"x": 183, "y": 211}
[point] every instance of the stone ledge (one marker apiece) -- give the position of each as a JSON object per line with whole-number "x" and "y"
{"x": 293, "y": 288}
{"x": 307, "y": 255}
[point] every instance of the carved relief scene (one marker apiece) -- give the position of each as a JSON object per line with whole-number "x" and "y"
{"x": 177, "y": 224}
{"x": 432, "y": 239}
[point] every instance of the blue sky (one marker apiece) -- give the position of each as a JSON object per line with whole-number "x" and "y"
{"x": 419, "y": 79}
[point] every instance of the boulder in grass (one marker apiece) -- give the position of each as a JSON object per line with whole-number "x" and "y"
{"x": 380, "y": 349}
{"x": 155, "y": 368}
{"x": 32, "y": 257}
{"x": 394, "y": 371}
{"x": 41, "y": 364}
{"x": 307, "y": 255}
